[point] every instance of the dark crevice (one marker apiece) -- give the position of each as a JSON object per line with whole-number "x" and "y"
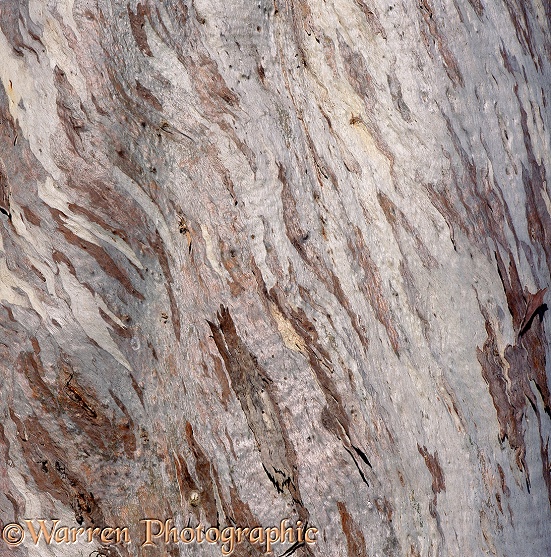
{"x": 364, "y": 479}
{"x": 363, "y": 456}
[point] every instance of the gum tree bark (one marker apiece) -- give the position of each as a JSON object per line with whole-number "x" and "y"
{"x": 290, "y": 256}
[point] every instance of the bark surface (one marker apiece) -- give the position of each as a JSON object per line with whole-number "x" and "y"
{"x": 291, "y": 256}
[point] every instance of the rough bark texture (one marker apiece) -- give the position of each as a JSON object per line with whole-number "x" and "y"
{"x": 290, "y": 255}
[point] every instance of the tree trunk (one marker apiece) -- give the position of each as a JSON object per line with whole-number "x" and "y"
{"x": 277, "y": 260}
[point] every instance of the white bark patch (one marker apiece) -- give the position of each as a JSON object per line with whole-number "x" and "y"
{"x": 212, "y": 257}
{"x": 85, "y": 309}
{"x": 32, "y": 101}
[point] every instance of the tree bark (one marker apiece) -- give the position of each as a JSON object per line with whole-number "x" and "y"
{"x": 267, "y": 260}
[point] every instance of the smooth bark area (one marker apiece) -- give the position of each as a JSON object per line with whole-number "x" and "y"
{"x": 267, "y": 260}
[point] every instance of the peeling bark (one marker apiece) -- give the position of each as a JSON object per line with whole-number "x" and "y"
{"x": 266, "y": 261}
